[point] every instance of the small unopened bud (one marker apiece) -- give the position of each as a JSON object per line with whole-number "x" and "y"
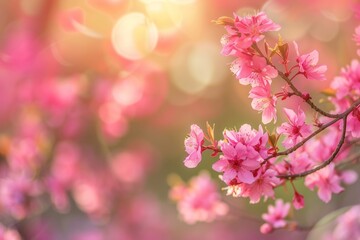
{"x": 266, "y": 228}
{"x": 224, "y": 21}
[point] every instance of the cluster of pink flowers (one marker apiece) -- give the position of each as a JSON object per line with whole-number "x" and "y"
{"x": 276, "y": 217}
{"x": 199, "y": 201}
{"x": 250, "y": 161}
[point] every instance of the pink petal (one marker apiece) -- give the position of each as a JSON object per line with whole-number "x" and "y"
{"x": 245, "y": 176}
{"x": 220, "y": 165}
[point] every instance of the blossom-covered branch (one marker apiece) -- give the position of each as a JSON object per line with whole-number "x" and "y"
{"x": 250, "y": 162}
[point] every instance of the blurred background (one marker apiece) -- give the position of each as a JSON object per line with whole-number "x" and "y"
{"x": 97, "y": 96}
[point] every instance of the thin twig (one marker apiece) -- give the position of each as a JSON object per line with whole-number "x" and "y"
{"x": 322, "y": 128}
{"x": 295, "y": 90}
{"x": 324, "y": 164}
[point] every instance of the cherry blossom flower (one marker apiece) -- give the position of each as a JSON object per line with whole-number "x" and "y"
{"x": 253, "y": 27}
{"x": 326, "y": 180}
{"x": 275, "y": 217}
{"x": 199, "y": 201}
{"x": 296, "y": 162}
{"x": 193, "y": 146}
{"x": 264, "y": 101}
{"x": 254, "y": 71}
{"x": 298, "y": 201}
{"x": 264, "y": 185}
{"x": 296, "y": 129}
{"x": 307, "y": 65}
{"x": 348, "y": 83}
{"x": 235, "y": 165}
{"x": 243, "y": 32}
{"x": 242, "y": 152}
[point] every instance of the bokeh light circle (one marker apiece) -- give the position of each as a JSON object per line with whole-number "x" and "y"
{"x": 134, "y": 36}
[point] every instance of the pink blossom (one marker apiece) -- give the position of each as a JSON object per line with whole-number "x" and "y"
{"x": 233, "y": 44}
{"x": 296, "y": 162}
{"x": 326, "y": 180}
{"x": 252, "y": 28}
{"x": 307, "y": 65}
{"x": 246, "y": 31}
{"x": 199, "y": 201}
{"x": 353, "y": 123}
{"x": 8, "y": 233}
{"x": 235, "y": 165}
{"x": 242, "y": 152}
{"x": 255, "y": 140}
{"x": 320, "y": 149}
{"x": 348, "y": 83}
{"x": 275, "y": 217}
{"x": 193, "y": 145}
{"x": 264, "y": 101}
{"x": 296, "y": 129}
{"x": 264, "y": 185}
{"x": 254, "y": 71}
{"x": 298, "y": 200}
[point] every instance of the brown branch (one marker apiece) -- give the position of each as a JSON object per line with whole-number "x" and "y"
{"x": 324, "y": 164}
{"x": 307, "y": 99}
{"x": 323, "y": 127}
{"x": 353, "y": 159}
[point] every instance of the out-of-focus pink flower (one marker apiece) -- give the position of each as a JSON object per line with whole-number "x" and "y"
{"x": 199, "y": 201}
{"x": 348, "y": 83}
{"x": 307, "y": 65}
{"x": 25, "y": 155}
{"x": 296, "y": 129}
{"x": 349, "y": 176}
{"x": 296, "y": 162}
{"x": 347, "y": 88}
{"x": 94, "y": 192}
{"x": 326, "y": 180}
{"x": 254, "y": 71}
{"x": 8, "y": 234}
{"x": 264, "y": 101}
{"x": 347, "y": 225}
{"x": 17, "y": 195}
{"x": 275, "y": 217}
{"x": 58, "y": 194}
{"x": 193, "y": 146}
{"x": 130, "y": 166}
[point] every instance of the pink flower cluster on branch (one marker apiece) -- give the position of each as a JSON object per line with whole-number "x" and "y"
{"x": 249, "y": 161}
